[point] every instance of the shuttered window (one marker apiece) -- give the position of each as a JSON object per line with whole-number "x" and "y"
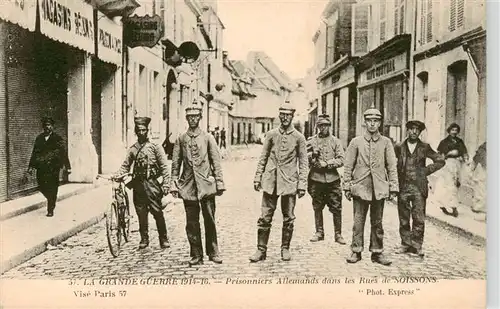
{"x": 399, "y": 16}
{"x": 457, "y": 8}
{"x": 361, "y": 18}
{"x": 383, "y": 9}
{"x": 426, "y": 34}
{"x": 330, "y": 45}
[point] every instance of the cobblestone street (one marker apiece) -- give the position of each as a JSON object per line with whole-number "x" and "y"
{"x": 86, "y": 255}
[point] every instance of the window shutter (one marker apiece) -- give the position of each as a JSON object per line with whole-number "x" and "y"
{"x": 402, "y": 18}
{"x": 382, "y": 20}
{"x": 396, "y": 17}
{"x": 361, "y": 17}
{"x": 460, "y": 13}
{"x": 423, "y": 25}
{"x": 453, "y": 15}
{"x": 429, "y": 21}
{"x": 382, "y": 32}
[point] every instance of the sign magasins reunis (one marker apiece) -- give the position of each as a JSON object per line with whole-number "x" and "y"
{"x": 142, "y": 30}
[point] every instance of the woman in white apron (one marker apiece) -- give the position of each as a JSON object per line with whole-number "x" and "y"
{"x": 448, "y": 178}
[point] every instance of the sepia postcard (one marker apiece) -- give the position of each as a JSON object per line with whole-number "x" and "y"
{"x": 243, "y": 153}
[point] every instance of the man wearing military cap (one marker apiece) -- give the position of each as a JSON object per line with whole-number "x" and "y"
{"x": 277, "y": 174}
{"x": 370, "y": 176}
{"x": 413, "y": 186}
{"x": 325, "y": 156}
{"x": 48, "y": 157}
{"x": 149, "y": 162}
{"x": 201, "y": 180}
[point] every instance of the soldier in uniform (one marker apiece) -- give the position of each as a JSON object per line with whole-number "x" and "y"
{"x": 325, "y": 156}
{"x": 149, "y": 162}
{"x": 201, "y": 180}
{"x": 281, "y": 173}
{"x": 370, "y": 177}
{"x": 49, "y": 156}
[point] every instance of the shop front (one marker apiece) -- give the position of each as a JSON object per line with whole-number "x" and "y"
{"x": 383, "y": 84}
{"x": 47, "y": 74}
{"x": 339, "y": 87}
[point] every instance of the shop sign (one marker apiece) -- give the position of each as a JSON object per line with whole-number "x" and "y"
{"x": 109, "y": 40}
{"x": 383, "y": 70}
{"x": 68, "y": 21}
{"x": 143, "y": 30}
{"x": 19, "y": 12}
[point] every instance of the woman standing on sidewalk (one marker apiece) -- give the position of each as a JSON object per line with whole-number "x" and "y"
{"x": 448, "y": 181}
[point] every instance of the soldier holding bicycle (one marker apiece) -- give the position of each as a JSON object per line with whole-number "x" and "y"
{"x": 148, "y": 162}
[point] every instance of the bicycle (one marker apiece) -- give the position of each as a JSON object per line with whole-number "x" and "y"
{"x": 118, "y": 214}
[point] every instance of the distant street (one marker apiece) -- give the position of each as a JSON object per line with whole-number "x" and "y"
{"x": 86, "y": 255}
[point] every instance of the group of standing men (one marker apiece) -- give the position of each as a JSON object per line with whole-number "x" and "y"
{"x": 374, "y": 170}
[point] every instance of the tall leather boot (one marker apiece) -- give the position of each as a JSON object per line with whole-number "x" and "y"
{"x": 162, "y": 232}
{"x": 286, "y": 238}
{"x": 143, "y": 230}
{"x": 318, "y": 222}
{"x": 337, "y": 226}
{"x": 262, "y": 239}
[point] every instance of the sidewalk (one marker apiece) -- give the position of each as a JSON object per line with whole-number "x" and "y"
{"x": 26, "y": 235}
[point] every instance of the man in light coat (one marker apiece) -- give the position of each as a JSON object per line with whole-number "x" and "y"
{"x": 281, "y": 173}
{"x": 197, "y": 153}
{"x": 370, "y": 176}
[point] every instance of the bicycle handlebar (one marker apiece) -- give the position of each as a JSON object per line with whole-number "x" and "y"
{"x": 112, "y": 178}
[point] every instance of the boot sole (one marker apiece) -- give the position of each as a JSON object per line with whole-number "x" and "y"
{"x": 255, "y": 261}
{"x": 385, "y": 264}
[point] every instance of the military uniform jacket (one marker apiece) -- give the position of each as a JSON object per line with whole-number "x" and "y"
{"x": 50, "y": 154}
{"x": 370, "y": 167}
{"x": 422, "y": 152}
{"x": 283, "y": 164}
{"x": 331, "y": 152}
{"x": 198, "y": 155}
{"x": 149, "y": 161}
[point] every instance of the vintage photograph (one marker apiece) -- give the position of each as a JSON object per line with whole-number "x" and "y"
{"x": 243, "y": 144}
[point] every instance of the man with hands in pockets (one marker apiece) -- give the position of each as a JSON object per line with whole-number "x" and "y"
{"x": 370, "y": 176}
{"x": 281, "y": 173}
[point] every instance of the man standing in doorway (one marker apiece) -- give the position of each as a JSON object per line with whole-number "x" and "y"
{"x": 413, "y": 186}
{"x": 370, "y": 176}
{"x": 326, "y": 155}
{"x": 48, "y": 157}
{"x": 149, "y": 162}
{"x": 277, "y": 174}
{"x": 201, "y": 180}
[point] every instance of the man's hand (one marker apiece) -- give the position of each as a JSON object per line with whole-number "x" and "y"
{"x": 219, "y": 192}
{"x": 393, "y": 196}
{"x": 68, "y": 171}
{"x": 301, "y": 193}
{"x": 348, "y": 195}
{"x": 322, "y": 164}
{"x": 31, "y": 170}
{"x": 257, "y": 186}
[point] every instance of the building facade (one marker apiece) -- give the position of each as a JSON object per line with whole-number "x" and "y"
{"x": 68, "y": 69}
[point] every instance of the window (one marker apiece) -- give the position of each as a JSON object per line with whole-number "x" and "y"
{"x": 361, "y": 21}
{"x": 426, "y": 35}
{"x": 456, "y": 14}
{"x": 330, "y": 45}
{"x": 399, "y": 17}
{"x": 323, "y": 104}
{"x": 382, "y": 25}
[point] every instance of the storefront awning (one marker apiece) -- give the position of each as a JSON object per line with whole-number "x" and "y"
{"x": 116, "y": 7}
{"x": 21, "y": 13}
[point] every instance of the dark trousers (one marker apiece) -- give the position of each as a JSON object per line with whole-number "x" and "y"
{"x": 377, "y": 231}
{"x": 411, "y": 204}
{"x": 269, "y": 203}
{"x": 223, "y": 143}
{"x": 193, "y": 230}
{"x": 48, "y": 184}
{"x": 329, "y": 194}
{"x": 142, "y": 214}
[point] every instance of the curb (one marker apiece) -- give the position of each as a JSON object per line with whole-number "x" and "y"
{"x": 453, "y": 228}
{"x": 42, "y": 247}
{"x": 41, "y": 204}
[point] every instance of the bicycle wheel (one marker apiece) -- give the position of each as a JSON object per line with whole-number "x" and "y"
{"x": 113, "y": 230}
{"x": 126, "y": 217}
